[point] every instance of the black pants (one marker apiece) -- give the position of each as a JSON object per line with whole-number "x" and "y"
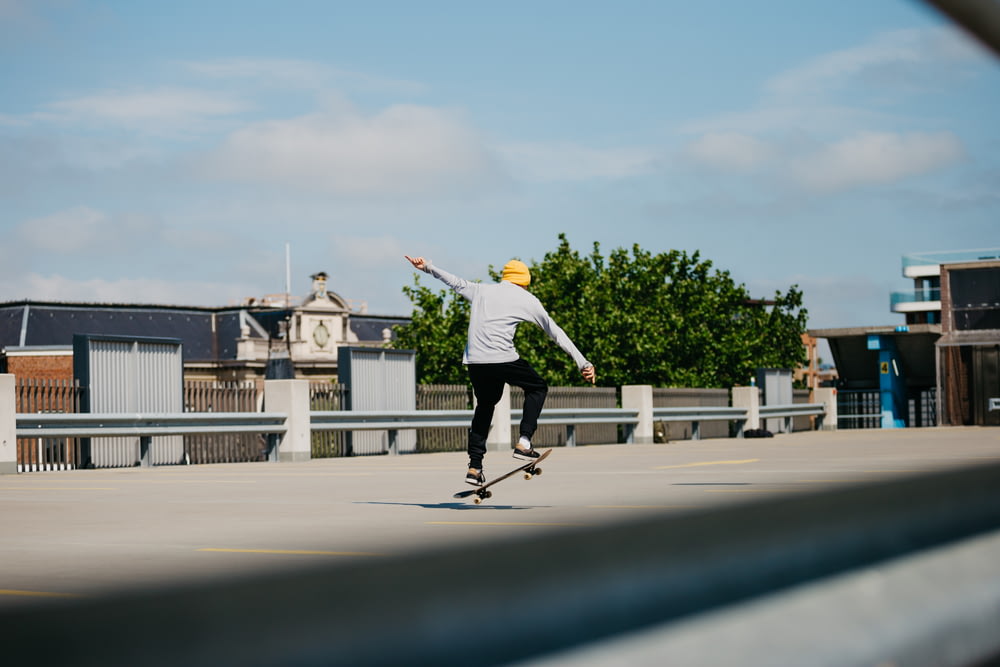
{"x": 487, "y": 383}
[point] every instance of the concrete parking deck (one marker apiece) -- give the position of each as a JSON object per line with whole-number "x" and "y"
{"x": 81, "y": 533}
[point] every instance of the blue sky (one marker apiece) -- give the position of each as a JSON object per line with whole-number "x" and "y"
{"x": 166, "y": 152}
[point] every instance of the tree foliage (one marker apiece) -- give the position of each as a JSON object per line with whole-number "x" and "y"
{"x": 666, "y": 319}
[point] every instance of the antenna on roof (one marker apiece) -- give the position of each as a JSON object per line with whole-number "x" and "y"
{"x": 288, "y": 275}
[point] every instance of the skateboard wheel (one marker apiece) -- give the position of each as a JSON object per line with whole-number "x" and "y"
{"x": 489, "y": 494}
{"x": 538, "y": 471}
{"x": 477, "y": 500}
{"x": 527, "y": 475}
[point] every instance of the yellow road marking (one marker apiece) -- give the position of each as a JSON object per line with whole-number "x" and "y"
{"x": 708, "y": 463}
{"x": 641, "y": 507}
{"x": 754, "y": 490}
{"x": 498, "y": 523}
{"x": 37, "y": 594}
{"x": 59, "y": 488}
{"x": 291, "y": 552}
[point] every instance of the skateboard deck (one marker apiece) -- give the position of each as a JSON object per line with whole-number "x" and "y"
{"x": 481, "y": 493}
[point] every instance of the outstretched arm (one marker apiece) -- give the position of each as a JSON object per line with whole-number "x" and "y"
{"x": 461, "y": 286}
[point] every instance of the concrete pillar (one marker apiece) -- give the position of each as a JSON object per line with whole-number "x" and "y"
{"x": 640, "y": 397}
{"x": 292, "y": 398}
{"x": 749, "y": 399}
{"x": 499, "y": 439}
{"x": 828, "y": 397}
{"x": 8, "y": 425}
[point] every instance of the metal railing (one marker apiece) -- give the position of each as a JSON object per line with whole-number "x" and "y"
{"x": 702, "y": 414}
{"x": 790, "y": 411}
{"x": 146, "y": 426}
{"x": 573, "y": 417}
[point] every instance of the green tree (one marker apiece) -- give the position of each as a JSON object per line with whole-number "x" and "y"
{"x": 664, "y": 319}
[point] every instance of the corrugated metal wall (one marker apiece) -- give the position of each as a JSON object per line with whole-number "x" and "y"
{"x": 379, "y": 379}
{"x": 134, "y": 376}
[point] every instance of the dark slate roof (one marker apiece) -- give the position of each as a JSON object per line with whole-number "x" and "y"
{"x": 56, "y": 323}
{"x": 369, "y": 327}
{"x": 51, "y": 323}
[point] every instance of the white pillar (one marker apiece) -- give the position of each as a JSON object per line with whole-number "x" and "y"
{"x": 292, "y": 398}
{"x": 8, "y": 425}
{"x": 640, "y": 397}
{"x": 749, "y": 399}
{"x": 499, "y": 438}
{"x": 828, "y": 397}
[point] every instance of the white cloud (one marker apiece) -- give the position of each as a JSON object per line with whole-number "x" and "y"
{"x": 404, "y": 149}
{"x": 573, "y": 162}
{"x": 38, "y": 287}
{"x": 872, "y": 158}
{"x": 298, "y": 74}
{"x": 82, "y": 228}
{"x": 730, "y": 151}
{"x": 173, "y": 107}
{"x": 898, "y": 59}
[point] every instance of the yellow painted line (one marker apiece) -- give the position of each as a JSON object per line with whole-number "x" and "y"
{"x": 754, "y": 490}
{"x": 641, "y": 507}
{"x": 36, "y": 594}
{"x": 59, "y": 488}
{"x": 290, "y": 552}
{"x": 708, "y": 463}
{"x": 498, "y": 523}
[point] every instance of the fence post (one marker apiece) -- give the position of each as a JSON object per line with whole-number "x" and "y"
{"x": 828, "y": 397}
{"x": 749, "y": 399}
{"x": 640, "y": 397}
{"x": 145, "y": 457}
{"x": 8, "y": 424}
{"x": 499, "y": 438}
{"x": 291, "y": 397}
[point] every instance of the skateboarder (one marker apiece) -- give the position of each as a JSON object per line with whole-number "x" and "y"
{"x": 492, "y": 360}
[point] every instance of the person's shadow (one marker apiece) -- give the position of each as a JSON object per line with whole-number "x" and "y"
{"x": 451, "y": 506}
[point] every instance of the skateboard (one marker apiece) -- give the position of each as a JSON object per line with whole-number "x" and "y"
{"x": 482, "y": 492}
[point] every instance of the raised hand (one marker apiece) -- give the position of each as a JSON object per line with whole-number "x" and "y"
{"x": 417, "y": 262}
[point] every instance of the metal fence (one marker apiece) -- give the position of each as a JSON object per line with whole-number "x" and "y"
{"x": 571, "y": 397}
{"x": 47, "y": 397}
{"x": 212, "y": 396}
{"x": 443, "y": 397}
{"x": 923, "y": 408}
{"x": 858, "y": 409}
{"x": 862, "y": 408}
{"x": 208, "y": 397}
{"x": 328, "y": 396}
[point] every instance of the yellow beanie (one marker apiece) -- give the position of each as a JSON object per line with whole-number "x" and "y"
{"x": 517, "y": 273}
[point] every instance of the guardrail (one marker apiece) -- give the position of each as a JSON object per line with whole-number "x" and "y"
{"x": 793, "y": 410}
{"x": 146, "y": 426}
{"x": 700, "y": 414}
{"x": 573, "y": 417}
